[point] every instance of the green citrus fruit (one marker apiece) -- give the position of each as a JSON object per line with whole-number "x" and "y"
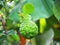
{"x": 28, "y": 29}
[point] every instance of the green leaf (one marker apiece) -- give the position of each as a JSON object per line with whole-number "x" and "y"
{"x": 41, "y": 9}
{"x": 53, "y": 22}
{"x": 14, "y": 13}
{"x": 56, "y": 9}
{"x": 49, "y": 3}
{"x": 46, "y": 38}
{"x": 5, "y": 42}
{"x": 3, "y": 38}
{"x": 1, "y": 4}
{"x": 9, "y": 23}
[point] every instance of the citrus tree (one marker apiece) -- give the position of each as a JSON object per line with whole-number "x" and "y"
{"x": 35, "y": 20}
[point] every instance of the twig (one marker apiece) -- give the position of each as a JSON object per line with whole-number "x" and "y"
{"x": 20, "y": 12}
{"x": 3, "y": 23}
{"x": 18, "y": 32}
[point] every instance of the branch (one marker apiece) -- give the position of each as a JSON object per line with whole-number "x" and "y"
{"x": 3, "y": 22}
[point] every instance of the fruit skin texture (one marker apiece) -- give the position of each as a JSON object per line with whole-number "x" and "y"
{"x": 28, "y": 29}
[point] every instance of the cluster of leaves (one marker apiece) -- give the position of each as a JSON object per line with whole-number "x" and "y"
{"x": 8, "y": 34}
{"x": 9, "y": 37}
{"x": 13, "y": 21}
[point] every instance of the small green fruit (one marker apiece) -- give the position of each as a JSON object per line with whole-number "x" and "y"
{"x": 28, "y": 8}
{"x": 13, "y": 38}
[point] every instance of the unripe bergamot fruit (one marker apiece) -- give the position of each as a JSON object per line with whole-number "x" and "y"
{"x": 28, "y": 29}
